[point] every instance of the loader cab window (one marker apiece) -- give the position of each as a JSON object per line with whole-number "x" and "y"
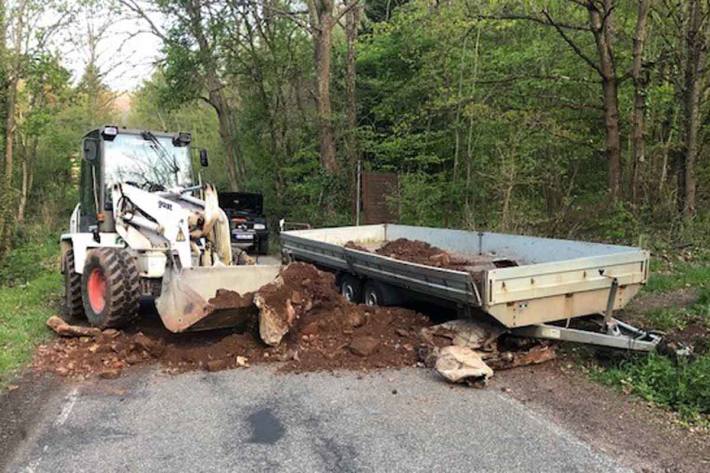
{"x": 148, "y": 161}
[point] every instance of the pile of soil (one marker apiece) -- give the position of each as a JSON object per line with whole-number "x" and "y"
{"x": 327, "y": 333}
{"x": 421, "y": 252}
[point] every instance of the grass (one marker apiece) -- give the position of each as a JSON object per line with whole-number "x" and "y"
{"x": 679, "y": 276}
{"x": 683, "y": 383}
{"x": 30, "y": 292}
{"x": 677, "y": 318}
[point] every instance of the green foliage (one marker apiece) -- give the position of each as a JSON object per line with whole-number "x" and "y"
{"x": 30, "y": 290}
{"x": 29, "y": 261}
{"x": 683, "y": 385}
{"x": 683, "y": 275}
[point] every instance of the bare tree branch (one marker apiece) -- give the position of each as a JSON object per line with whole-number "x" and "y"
{"x": 534, "y": 19}
{"x": 571, "y": 43}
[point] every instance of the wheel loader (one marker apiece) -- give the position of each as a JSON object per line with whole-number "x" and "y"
{"x": 145, "y": 226}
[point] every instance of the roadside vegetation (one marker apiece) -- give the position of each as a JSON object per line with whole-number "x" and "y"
{"x": 30, "y": 292}
{"x": 495, "y": 115}
{"x": 678, "y": 377}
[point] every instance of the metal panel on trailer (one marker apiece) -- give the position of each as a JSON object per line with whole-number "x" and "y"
{"x": 555, "y": 279}
{"x": 451, "y": 285}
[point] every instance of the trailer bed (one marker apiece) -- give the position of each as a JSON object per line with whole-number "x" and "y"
{"x": 554, "y": 279}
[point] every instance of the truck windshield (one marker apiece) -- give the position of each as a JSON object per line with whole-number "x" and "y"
{"x": 147, "y": 161}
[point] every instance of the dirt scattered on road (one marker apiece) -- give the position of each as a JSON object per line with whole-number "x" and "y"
{"x": 326, "y": 333}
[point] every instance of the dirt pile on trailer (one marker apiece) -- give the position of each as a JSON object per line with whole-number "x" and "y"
{"x": 421, "y": 252}
{"x": 325, "y": 332}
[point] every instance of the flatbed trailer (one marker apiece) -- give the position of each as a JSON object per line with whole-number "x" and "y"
{"x": 541, "y": 285}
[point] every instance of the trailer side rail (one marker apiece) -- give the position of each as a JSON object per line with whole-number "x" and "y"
{"x": 455, "y": 286}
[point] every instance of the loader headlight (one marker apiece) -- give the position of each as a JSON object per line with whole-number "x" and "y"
{"x": 259, "y": 226}
{"x": 182, "y": 139}
{"x": 109, "y": 132}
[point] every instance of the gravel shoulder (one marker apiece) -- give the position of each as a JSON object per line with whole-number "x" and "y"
{"x": 643, "y": 437}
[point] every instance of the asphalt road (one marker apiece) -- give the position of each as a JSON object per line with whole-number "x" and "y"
{"x": 257, "y": 420}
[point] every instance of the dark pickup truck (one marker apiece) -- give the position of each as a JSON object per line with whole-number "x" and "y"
{"x": 247, "y": 222}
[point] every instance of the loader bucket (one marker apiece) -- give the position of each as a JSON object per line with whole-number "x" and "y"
{"x": 184, "y": 300}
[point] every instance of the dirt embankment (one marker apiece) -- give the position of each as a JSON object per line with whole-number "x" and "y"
{"x": 325, "y": 333}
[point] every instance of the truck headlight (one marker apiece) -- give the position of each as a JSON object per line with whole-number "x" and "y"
{"x": 259, "y": 226}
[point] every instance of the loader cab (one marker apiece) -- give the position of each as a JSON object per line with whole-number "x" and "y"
{"x": 150, "y": 160}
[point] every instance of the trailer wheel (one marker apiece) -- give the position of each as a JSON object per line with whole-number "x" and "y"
{"x": 351, "y": 288}
{"x": 73, "y": 307}
{"x": 372, "y": 294}
{"x": 110, "y": 287}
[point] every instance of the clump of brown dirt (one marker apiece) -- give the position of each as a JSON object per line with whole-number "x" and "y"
{"x": 226, "y": 299}
{"x": 420, "y": 252}
{"x": 328, "y": 333}
{"x": 354, "y": 246}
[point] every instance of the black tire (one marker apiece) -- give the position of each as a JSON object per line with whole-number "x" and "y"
{"x": 351, "y": 288}
{"x": 110, "y": 287}
{"x": 262, "y": 247}
{"x": 73, "y": 306}
{"x": 373, "y": 295}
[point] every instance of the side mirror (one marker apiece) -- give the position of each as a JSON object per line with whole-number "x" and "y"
{"x": 204, "y": 162}
{"x": 91, "y": 149}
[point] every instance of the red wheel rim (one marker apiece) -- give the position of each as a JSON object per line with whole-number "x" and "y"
{"x": 97, "y": 290}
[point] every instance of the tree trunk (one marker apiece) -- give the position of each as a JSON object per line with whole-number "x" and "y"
{"x": 227, "y": 134}
{"x": 13, "y": 81}
{"x": 639, "y": 76}
{"x": 602, "y": 30}
{"x": 322, "y": 38}
{"x": 215, "y": 90}
{"x": 10, "y": 106}
{"x": 694, "y": 45}
{"x": 352, "y": 23}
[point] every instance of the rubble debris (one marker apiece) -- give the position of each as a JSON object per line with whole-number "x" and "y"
{"x": 477, "y": 335}
{"x": 320, "y": 333}
{"x": 488, "y": 341}
{"x": 298, "y": 289}
{"x": 110, "y": 373}
{"x": 305, "y": 325}
{"x": 461, "y": 364}
{"x": 217, "y": 365}
{"x": 364, "y": 345}
{"x": 227, "y": 299}
{"x": 64, "y": 329}
{"x": 539, "y": 353}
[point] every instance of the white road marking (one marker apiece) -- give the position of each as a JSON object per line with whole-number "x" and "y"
{"x": 67, "y": 407}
